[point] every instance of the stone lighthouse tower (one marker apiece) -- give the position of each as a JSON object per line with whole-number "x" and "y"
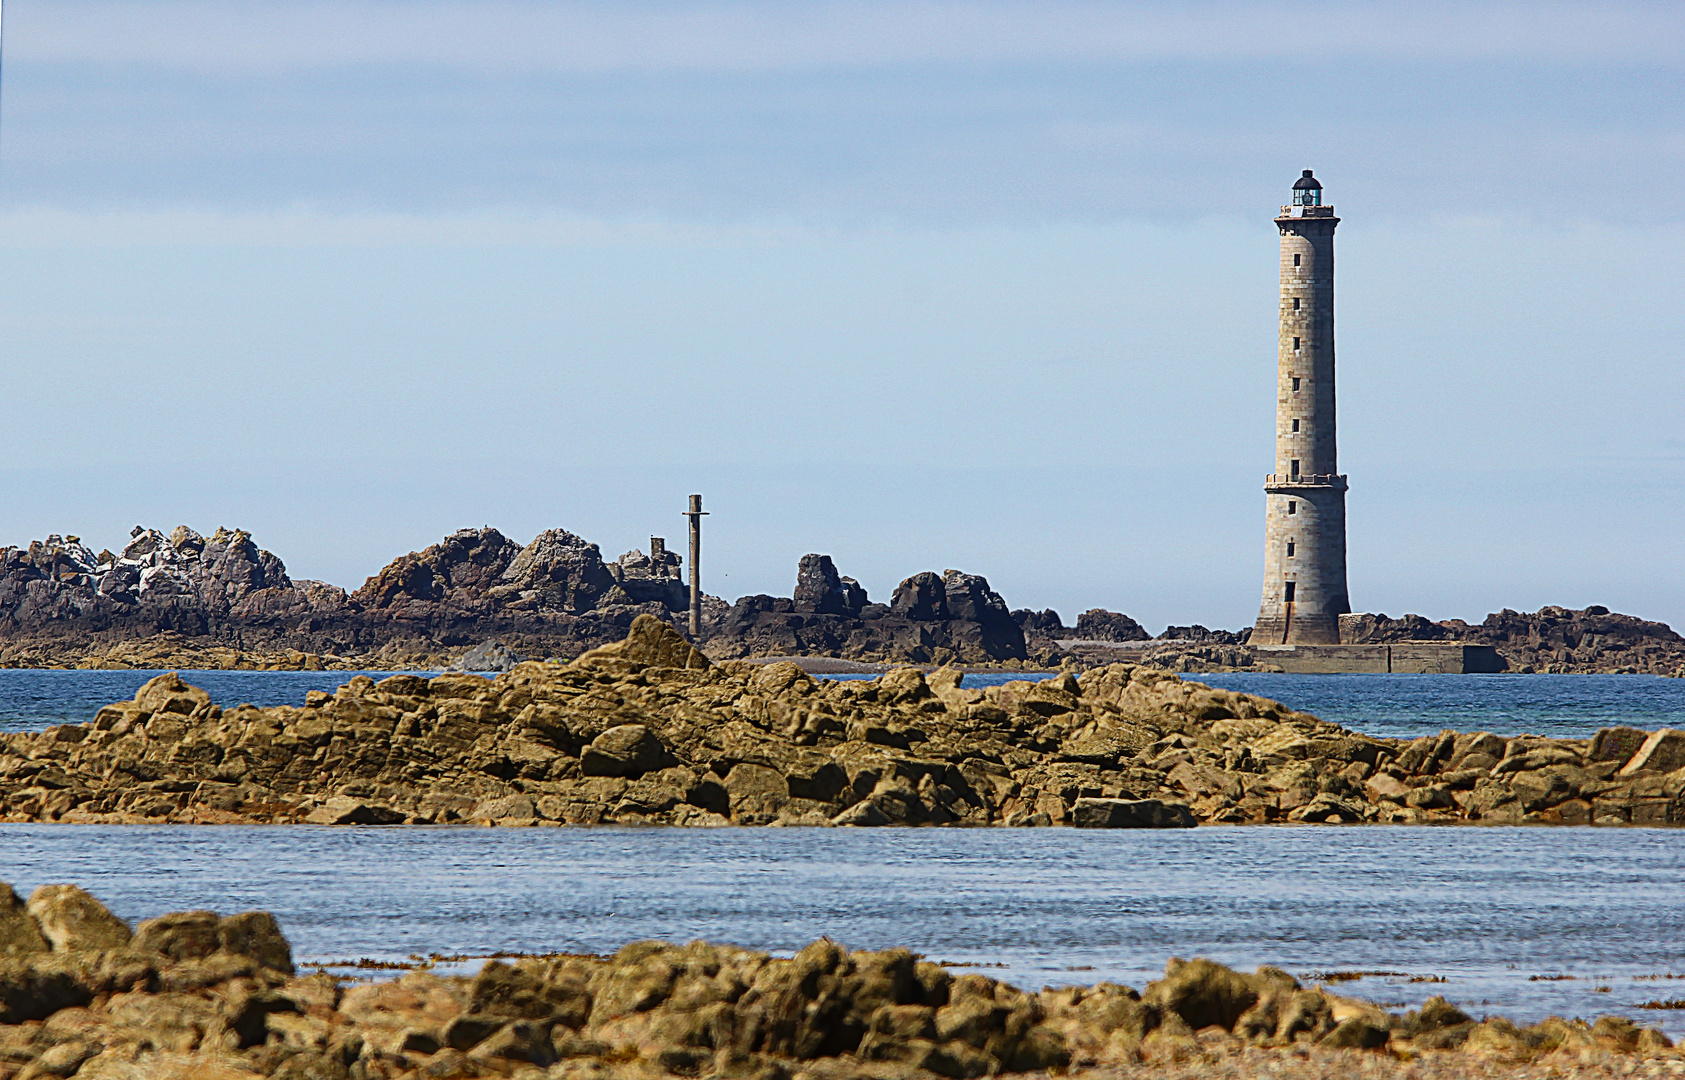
{"x": 1305, "y": 497}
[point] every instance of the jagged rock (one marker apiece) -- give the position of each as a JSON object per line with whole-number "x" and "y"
{"x": 202, "y": 996}
{"x": 345, "y": 810}
{"x": 1091, "y": 813}
{"x": 1198, "y": 633}
{"x": 558, "y": 571}
{"x": 649, "y": 730}
{"x": 19, "y": 934}
{"x": 463, "y": 568}
{"x": 954, "y": 617}
{"x": 1662, "y": 752}
{"x": 1552, "y": 639}
{"x": 819, "y": 588}
{"x": 1098, "y": 624}
{"x": 1045, "y": 623}
{"x": 73, "y": 921}
{"x": 628, "y": 750}
{"x": 486, "y": 656}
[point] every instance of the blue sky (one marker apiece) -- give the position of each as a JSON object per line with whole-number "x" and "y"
{"x": 986, "y": 286}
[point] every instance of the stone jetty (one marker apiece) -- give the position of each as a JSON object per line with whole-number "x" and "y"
{"x": 196, "y": 995}
{"x": 650, "y": 731}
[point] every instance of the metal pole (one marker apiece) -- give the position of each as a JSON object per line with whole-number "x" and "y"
{"x": 696, "y": 514}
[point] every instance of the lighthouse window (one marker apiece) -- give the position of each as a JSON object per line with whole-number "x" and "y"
{"x": 1295, "y": 260}
{"x": 1289, "y": 549}
{"x": 1295, "y": 425}
{"x": 1295, "y": 384}
{"x": 1290, "y": 585}
{"x": 1295, "y": 466}
{"x": 1292, "y": 507}
{"x": 1295, "y": 344}
{"x": 1295, "y": 303}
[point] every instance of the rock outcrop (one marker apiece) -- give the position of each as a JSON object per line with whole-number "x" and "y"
{"x": 649, "y": 730}
{"x": 56, "y": 596}
{"x": 1553, "y": 639}
{"x": 184, "y": 601}
{"x": 188, "y": 601}
{"x": 1098, "y": 624}
{"x": 952, "y": 617}
{"x": 192, "y": 994}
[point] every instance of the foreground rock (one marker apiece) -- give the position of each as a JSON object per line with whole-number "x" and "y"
{"x": 195, "y": 995}
{"x": 648, "y": 730}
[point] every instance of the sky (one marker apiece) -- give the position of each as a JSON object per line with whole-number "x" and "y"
{"x": 988, "y": 286}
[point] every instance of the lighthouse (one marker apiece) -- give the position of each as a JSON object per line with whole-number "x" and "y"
{"x": 1305, "y": 495}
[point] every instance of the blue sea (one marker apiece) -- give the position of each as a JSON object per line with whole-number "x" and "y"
{"x": 1519, "y": 921}
{"x": 1392, "y": 706}
{"x": 1523, "y": 922}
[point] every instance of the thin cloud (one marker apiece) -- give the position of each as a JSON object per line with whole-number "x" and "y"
{"x": 665, "y": 37}
{"x": 308, "y": 227}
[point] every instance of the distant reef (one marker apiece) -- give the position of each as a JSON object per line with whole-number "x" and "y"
{"x": 189, "y": 601}
{"x": 185, "y": 600}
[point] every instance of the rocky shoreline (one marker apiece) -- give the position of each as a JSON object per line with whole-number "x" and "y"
{"x": 650, "y": 731}
{"x": 188, "y": 601}
{"x": 195, "y": 995}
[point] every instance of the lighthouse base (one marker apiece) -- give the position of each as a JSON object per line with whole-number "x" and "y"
{"x": 1399, "y": 658}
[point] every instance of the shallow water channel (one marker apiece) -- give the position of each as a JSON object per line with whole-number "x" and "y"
{"x": 1500, "y": 914}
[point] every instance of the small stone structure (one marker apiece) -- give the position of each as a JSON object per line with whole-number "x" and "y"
{"x": 654, "y": 577}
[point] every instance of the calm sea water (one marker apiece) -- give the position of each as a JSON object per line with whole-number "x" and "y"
{"x": 31, "y": 699}
{"x": 1485, "y": 909}
{"x": 1405, "y": 706}
{"x": 1393, "y": 706}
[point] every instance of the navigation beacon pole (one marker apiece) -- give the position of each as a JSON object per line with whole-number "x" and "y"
{"x": 1305, "y": 497}
{"x": 696, "y": 514}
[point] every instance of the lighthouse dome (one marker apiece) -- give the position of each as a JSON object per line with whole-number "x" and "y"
{"x": 1307, "y": 190}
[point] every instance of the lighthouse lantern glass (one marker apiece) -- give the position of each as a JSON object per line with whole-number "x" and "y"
{"x": 1307, "y": 196}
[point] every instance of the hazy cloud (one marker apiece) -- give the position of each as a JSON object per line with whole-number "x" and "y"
{"x": 666, "y": 37}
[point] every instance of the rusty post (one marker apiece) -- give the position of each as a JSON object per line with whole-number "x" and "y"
{"x": 696, "y": 514}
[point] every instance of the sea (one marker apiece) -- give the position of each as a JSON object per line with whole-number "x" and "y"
{"x": 1519, "y": 921}
{"x": 1387, "y": 706}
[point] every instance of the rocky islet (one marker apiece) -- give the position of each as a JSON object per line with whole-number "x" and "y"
{"x": 189, "y": 601}
{"x": 650, "y": 731}
{"x": 186, "y": 601}
{"x": 195, "y": 994}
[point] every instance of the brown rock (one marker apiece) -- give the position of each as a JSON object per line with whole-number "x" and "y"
{"x": 1090, "y": 813}
{"x": 653, "y": 643}
{"x": 256, "y": 934}
{"x": 1356, "y": 1033}
{"x": 1663, "y": 751}
{"x": 73, "y": 921}
{"x": 185, "y": 935}
{"x": 168, "y": 694}
{"x": 1616, "y": 744}
{"x": 628, "y": 750}
{"x": 19, "y": 936}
